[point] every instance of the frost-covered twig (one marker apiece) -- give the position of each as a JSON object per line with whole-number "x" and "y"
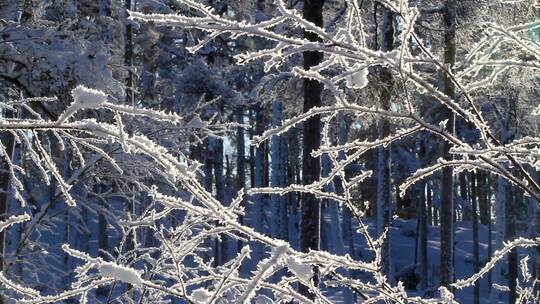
{"x": 497, "y": 255}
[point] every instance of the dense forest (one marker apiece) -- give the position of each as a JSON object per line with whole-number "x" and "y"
{"x": 269, "y": 151}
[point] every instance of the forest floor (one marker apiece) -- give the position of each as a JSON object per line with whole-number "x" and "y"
{"x": 403, "y": 240}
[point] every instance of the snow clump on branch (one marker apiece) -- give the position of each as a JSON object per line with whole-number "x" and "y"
{"x": 83, "y": 98}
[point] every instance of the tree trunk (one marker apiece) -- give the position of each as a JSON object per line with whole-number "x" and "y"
{"x": 331, "y": 230}
{"x": 484, "y": 211}
{"x": 284, "y": 203}
{"x": 533, "y": 230}
{"x": 277, "y": 178}
{"x": 240, "y": 159}
{"x": 482, "y": 186}
{"x": 251, "y": 151}
{"x": 464, "y": 198}
{"x": 383, "y": 192}
{"x": 500, "y": 197}
{"x": 422, "y": 242}
{"x": 490, "y": 242}
{"x": 343, "y": 236}
{"x": 221, "y": 246}
{"x": 510, "y": 234}
{"x": 255, "y": 209}
{"x": 128, "y": 59}
{"x": 447, "y": 184}
{"x": 311, "y": 209}
{"x": 293, "y": 177}
{"x": 9, "y": 10}
{"x": 130, "y": 98}
{"x": 422, "y": 190}
{"x": 429, "y": 201}
{"x": 103, "y": 234}
{"x": 8, "y": 142}
{"x": 474, "y": 218}
{"x": 346, "y": 216}
{"x": 208, "y": 153}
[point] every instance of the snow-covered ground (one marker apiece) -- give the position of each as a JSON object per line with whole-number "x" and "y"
{"x": 403, "y": 238}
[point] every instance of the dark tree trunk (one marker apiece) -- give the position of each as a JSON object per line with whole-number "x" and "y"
{"x": 8, "y": 143}
{"x": 447, "y": 184}
{"x": 251, "y": 151}
{"x": 256, "y": 210}
{"x": 293, "y": 177}
{"x": 474, "y": 218}
{"x": 311, "y": 208}
{"x": 482, "y": 197}
{"x": 490, "y": 228}
{"x": 422, "y": 242}
{"x": 103, "y": 234}
{"x": 207, "y": 152}
{"x": 9, "y": 10}
{"x": 429, "y": 199}
{"x": 240, "y": 159}
{"x": 130, "y": 95}
{"x": 510, "y": 234}
{"x": 384, "y": 154}
{"x": 221, "y": 254}
{"x": 463, "y": 193}
{"x": 422, "y": 221}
